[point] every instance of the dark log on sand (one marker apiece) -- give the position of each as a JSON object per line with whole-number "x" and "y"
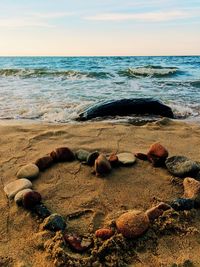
{"x": 125, "y": 107}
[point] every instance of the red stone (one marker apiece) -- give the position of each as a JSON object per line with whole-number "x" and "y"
{"x": 157, "y": 154}
{"x": 30, "y": 199}
{"x": 104, "y": 233}
{"x": 78, "y": 243}
{"x": 44, "y": 162}
{"x": 113, "y": 159}
{"x": 102, "y": 165}
{"x": 62, "y": 154}
{"x": 141, "y": 156}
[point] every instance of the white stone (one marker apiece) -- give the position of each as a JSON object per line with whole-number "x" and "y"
{"x": 13, "y": 188}
{"x": 19, "y": 196}
{"x": 126, "y": 158}
{"x": 29, "y": 171}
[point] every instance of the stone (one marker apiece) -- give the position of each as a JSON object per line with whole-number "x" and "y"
{"x": 13, "y": 188}
{"x": 29, "y": 171}
{"x": 41, "y": 210}
{"x": 102, "y": 165}
{"x": 30, "y": 199}
{"x": 141, "y": 156}
{"x": 44, "y": 162}
{"x": 54, "y": 222}
{"x": 78, "y": 243}
{"x": 126, "y": 158}
{"x": 157, "y": 154}
{"x": 192, "y": 189}
{"x": 113, "y": 159}
{"x": 92, "y": 157}
{"x": 20, "y": 195}
{"x": 180, "y": 204}
{"x": 104, "y": 233}
{"x": 62, "y": 154}
{"x": 155, "y": 212}
{"x": 181, "y": 166}
{"x": 132, "y": 223}
{"x": 82, "y": 155}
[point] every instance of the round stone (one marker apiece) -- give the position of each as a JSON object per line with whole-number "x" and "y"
{"x": 29, "y": 171}
{"x": 126, "y": 158}
{"x": 157, "y": 154}
{"x": 14, "y": 187}
{"x": 191, "y": 189}
{"x": 102, "y": 165}
{"x": 54, "y": 222}
{"x": 183, "y": 204}
{"x": 44, "y": 162}
{"x": 62, "y": 154}
{"x": 104, "y": 233}
{"x": 132, "y": 223}
{"x": 41, "y": 210}
{"x": 30, "y": 199}
{"x": 92, "y": 157}
{"x": 82, "y": 155}
{"x": 20, "y": 195}
{"x": 181, "y": 166}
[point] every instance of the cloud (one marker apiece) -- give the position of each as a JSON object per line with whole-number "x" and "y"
{"x": 52, "y": 15}
{"x": 146, "y": 17}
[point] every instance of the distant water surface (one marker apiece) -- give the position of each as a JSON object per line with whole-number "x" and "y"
{"x": 55, "y": 89}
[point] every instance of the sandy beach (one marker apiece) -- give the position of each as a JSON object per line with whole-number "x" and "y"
{"x": 88, "y": 202}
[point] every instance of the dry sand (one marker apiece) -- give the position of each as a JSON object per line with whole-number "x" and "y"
{"x": 69, "y": 188}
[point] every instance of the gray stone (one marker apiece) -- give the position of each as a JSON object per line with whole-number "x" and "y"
{"x": 126, "y": 158}
{"x": 82, "y": 155}
{"x": 13, "y": 188}
{"x": 181, "y": 166}
{"x": 54, "y": 222}
{"x": 20, "y": 195}
{"x": 29, "y": 171}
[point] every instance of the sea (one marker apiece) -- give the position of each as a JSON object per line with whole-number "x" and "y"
{"x": 57, "y": 89}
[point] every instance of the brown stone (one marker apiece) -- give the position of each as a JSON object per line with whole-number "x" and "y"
{"x": 157, "y": 154}
{"x": 113, "y": 159}
{"x": 62, "y": 154}
{"x": 141, "y": 156}
{"x": 104, "y": 233}
{"x": 78, "y": 243}
{"x": 154, "y": 213}
{"x": 132, "y": 223}
{"x": 102, "y": 165}
{"x": 44, "y": 162}
{"x": 30, "y": 199}
{"x": 192, "y": 189}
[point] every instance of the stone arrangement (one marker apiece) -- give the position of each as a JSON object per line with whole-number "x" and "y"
{"x": 132, "y": 223}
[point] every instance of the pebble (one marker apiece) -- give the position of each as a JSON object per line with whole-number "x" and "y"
{"x": 44, "y": 162}
{"x": 20, "y": 195}
{"x": 102, "y": 165}
{"x": 92, "y": 157}
{"x": 126, "y": 158}
{"x": 78, "y": 243}
{"x": 141, "y": 156}
{"x": 104, "y": 233}
{"x": 113, "y": 159}
{"x": 62, "y": 154}
{"x": 54, "y": 222}
{"x": 157, "y": 154}
{"x": 29, "y": 171}
{"x": 82, "y": 155}
{"x": 30, "y": 199}
{"x": 41, "y": 210}
{"x": 155, "y": 212}
{"x": 180, "y": 204}
{"x": 192, "y": 189}
{"x": 132, "y": 223}
{"x": 181, "y": 166}
{"x": 13, "y": 188}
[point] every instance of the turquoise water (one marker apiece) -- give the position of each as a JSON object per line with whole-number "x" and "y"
{"x": 55, "y": 89}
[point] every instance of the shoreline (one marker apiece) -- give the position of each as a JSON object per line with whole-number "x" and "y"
{"x": 70, "y": 188}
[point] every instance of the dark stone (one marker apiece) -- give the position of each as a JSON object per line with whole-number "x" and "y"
{"x": 181, "y": 166}
{"x": 141, "y": 156}
{"x": 30, "y": 199}
{"x": 62, "y": 154}
{"x": 180, "y": 204}
{"x": 41, "y": 210}
{"x": 157, "y": 154}
{"x": 92, "y": 157}
{"x": 54, "y": 222}
{"x": 44, "y": 163}
{"x": 124, "y": 107}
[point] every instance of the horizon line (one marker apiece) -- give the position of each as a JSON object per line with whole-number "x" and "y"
{"x": 170, "y": 55}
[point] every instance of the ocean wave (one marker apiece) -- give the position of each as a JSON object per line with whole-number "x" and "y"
{"x": 149, "y": 71}
{"x": 36, "y": 73}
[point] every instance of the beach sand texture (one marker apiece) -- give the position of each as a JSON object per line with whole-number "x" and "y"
{"x": 68, "y": 188}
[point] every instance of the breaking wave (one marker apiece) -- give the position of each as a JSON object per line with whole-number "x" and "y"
{"x": 36, "y": 73}
{"x": 149, "y": 71}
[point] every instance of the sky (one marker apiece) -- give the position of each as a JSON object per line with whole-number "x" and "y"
{"x": 99, "y": 27}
